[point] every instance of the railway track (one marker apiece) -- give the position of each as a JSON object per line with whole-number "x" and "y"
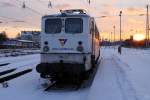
{"x": 4, "y": 64}
{"x": 15, "y": 75}
{"x": 9, "y": 70}
{"x": 57, "y": 85}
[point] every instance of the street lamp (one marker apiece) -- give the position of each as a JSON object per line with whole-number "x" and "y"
{"x": 111, "y": 37}
{"x": 120, "y": 14}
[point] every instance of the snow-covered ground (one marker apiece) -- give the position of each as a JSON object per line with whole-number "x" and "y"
{"x": 135, "y": 64}
{"x": 119, "y": 77}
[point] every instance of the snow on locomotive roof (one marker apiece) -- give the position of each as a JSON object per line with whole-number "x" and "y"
{"x": 69, "y": 13}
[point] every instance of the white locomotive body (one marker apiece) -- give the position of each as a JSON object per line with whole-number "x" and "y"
{"x": 69, "y": 45}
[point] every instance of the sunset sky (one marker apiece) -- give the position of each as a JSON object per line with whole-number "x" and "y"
{"x": 13, "y": 18}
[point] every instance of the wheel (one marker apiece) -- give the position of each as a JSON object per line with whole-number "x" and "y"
{"x": 43, "y": 75}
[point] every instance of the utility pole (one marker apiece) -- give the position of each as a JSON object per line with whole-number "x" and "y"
{"x": 147, "y": 26}
{"x": 114, "y": 32}
{"x": 120, "y": 14}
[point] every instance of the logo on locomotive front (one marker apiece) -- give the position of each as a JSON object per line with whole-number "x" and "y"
{"x": 62, "y": 42}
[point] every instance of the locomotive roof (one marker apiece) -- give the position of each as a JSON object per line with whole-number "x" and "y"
{"x": 66, "y": 15}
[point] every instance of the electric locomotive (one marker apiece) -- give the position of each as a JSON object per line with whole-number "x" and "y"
{"x": 69, "y": 45}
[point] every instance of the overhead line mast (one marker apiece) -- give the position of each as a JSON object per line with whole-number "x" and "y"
{"x": 89, "y": 1}
{"x": 147, "y": 26}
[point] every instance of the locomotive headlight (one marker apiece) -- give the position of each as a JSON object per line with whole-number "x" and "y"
{"x": 45, "y": 48}
{"x": 80, "y": 47}
{"x": 46, "y": 43}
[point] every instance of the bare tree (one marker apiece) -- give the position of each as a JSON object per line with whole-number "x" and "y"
{"x": 3, "y": 37}
{"x": 18, "y": 36}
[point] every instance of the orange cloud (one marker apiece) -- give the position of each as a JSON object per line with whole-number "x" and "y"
{"x": 97, "y": 8}
{"x": 134, "y": 11}
{"x": 135, "y": 21}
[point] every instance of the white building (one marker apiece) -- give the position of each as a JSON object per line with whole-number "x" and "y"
{"x": 31, "y": 36}
{"x": 14, "y": 43}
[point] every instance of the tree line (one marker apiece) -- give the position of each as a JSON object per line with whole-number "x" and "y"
{"x": 3, "y": 37}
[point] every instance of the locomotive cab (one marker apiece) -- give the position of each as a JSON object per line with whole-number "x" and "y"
{"x": 69, "y": 45}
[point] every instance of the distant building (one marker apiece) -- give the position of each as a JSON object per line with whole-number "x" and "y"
{"x": 14, "y": 43}
{"x": 31, "y": 36}
{"x": 11, "y": 42}
{"x": 26, "y": 43}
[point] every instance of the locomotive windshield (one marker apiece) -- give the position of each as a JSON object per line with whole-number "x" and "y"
{"x": 53, "y": 26}
{"x": 74, "y": 25}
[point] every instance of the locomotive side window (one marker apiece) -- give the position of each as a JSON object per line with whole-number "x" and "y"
{"x": 96, "y": 32}
{"x": 92, "y": 27}
{"x": 53, "y": 26}
{"x": 74, "y": 25}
